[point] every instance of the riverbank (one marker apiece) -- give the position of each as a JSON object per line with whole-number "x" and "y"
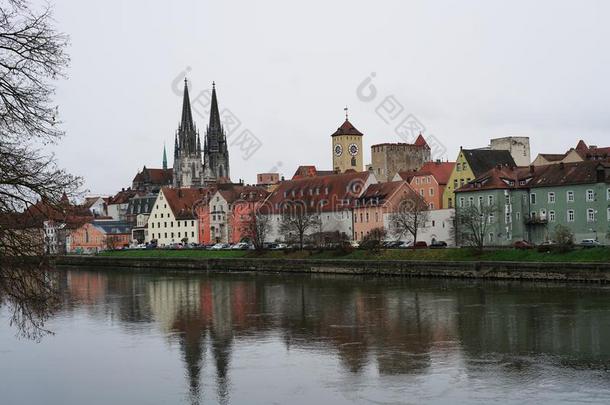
{"x": 468, "y": 269}
{"x": 599, "y": 255}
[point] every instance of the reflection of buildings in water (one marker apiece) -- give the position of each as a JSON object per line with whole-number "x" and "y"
{"x": 86, "y": 287}
{"x": 189, "y": 310}
{"x": 494, "y": 321}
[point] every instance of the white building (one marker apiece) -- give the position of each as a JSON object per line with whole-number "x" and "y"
{"x": 173, "y": 218}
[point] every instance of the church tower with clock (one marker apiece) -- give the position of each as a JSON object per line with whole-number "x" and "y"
{"x": 347, "y": 147}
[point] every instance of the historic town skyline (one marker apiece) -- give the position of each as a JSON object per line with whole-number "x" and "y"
{"x": 455, "y": 67}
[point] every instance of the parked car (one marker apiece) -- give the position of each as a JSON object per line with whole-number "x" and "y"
{"x": 220, "y": 246}
{"x": 392, "y": 244}
{"x": 522, "y": 244}
{"x": 279, "y": 246}
{"x": 240, "y": 246}
{"x": 420, "y": 245}
{"x": 588, "y": 243}
{"x": 548, "y": 243}
{"x": 438, "y": 244}
{"x": 405, "y": 244}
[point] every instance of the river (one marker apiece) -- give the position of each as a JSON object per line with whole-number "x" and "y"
{"x": 125, "y": 337}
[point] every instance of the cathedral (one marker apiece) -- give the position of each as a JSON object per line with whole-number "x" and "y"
{"x": 192, "y": 168}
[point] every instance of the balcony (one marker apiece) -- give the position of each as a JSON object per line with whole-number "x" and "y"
{"x": 536, "y": 220}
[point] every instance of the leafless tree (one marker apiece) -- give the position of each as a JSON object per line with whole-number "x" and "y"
{"x": 256, "y": 227}
{"x": 472, "y": 223}
{"x": 411, "y": 215}
{"x": 32, "y": 57}
{"x": 297, "y": 220}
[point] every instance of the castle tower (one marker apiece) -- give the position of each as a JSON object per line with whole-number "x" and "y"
{"x": 188, "y": 167}
{"x": 215, "y": 151}
{"x": 347, "y": 147}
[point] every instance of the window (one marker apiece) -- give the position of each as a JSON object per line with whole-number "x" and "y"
{"x": 518, "y": 216}
{"x": 551, "y": 216}
{"x": 450, "y": 202}
{"x": 490, "y": 200}
{"x": 461, "y": 182}
{"x": 464, "y": 166}
{"x": 461, "y": 202}
{"x": 480, "y": 201}
{"x": 608, "y": 214}
{"x": 431, "y": 192}
{"x": 164, "y": 224}
{"x": 507, "y": 218}
{"x": 356, "y": 218}
{"x": 533, "y": 198}
{"x": 570, "y": 215}
{"x": 470, "y": 201}
{"x": 570, "y": 196}
{"x": 491, "y": 217}
{"x": 152, "y": 224}
{"x": 376, "y": 217}
{"x": 192, "y": 223}
{"x": 590, "y": 215}
{"x": 417, "y": 180}
{"x": 507, "y": 199}
{"x": 367, "y": 217}
{"x": 161, "y": 215}
{"x": 590, "y": 195}
{"x": 491, "y": 237}
{"x": 431, "y": 205}
{"x": 455, "y": 184}
{"x": 193, "y": 234}
{"x": 421, "y": 192}
{"x": 551, "y": 197}
{"x": 608, "y": 194}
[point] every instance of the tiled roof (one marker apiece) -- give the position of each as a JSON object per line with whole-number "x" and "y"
{"x": 553, "y": 157}
{"x": 123, "y": 196}
{"x": 420, "y": 141}
{"x": 310, "y": 171}
{"x": 160, "y": 177}
{"x": 347, "y": 129}
{"x": 323, "y": 193}
{"x": 585, "y": 172}
{"x": 441, "y": 171}
{"x": 379, "y": 193}
{"x": 184, "y": 201}
{"x": 482, "y": 160}
{"x": 244, "y": 193}
{"x": 113, "y": 227}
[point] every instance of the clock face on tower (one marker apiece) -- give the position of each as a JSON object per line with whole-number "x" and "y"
{"x": 338, "y": 150}
{"x": 353, "y": 149}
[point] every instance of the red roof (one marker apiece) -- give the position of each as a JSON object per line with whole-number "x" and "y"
{"x": 239, "y": 192}
{"x": 347, "y": 129}
{"x": 441, "y": 171}
{"x": 123, "y": 196}
{"x": 310, "y": 171}
{"x": 380, "y": 193}
{"x": 184, "y": 201}
{"x": 420, "y": 141}
{"x": 322, "y": 193}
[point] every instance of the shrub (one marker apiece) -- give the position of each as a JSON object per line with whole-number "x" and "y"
{"x": 564, "y": 238}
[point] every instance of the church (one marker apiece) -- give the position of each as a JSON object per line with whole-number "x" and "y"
{"x": 194, "y": 166}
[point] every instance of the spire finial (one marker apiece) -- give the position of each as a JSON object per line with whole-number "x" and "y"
{"x": 346, "y": 113}
{"x": 213, "y": 84}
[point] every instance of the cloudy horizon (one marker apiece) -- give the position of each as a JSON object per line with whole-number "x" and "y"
{"x": 468, "y": 71}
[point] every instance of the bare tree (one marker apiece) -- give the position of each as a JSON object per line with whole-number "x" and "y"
{"x": 32, "y": 56}
{"x": 256, "y": 227}
{"x": 297, "y": 220}
{"x": 411, "y": 215}
{"x": 472, "y": 223}
{"x": 373, "y": 239}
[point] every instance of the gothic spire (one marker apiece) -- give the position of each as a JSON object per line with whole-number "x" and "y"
{"x": 214, "y": 114}
{"x": 187, "y": 116}
{"x": 164, "y": 158}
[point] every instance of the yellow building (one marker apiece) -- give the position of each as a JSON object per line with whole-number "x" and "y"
{"x": 347, "y": 148}
{"x": 470, "y": 164}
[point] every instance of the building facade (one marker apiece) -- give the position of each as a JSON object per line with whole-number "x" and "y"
{"x": 429, "y": 182}
{"x": 173, "y": 218}
{"x": 531, "y": 202}
{"x": 470, "y": 164}
{"x": 387, "y": 159}
{"x": 518, "y": 146}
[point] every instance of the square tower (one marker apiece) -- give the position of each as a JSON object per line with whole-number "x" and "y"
{"x": 347, "y": 148}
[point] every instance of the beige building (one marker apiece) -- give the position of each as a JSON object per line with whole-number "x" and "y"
{"x": 347, "y": 148}
{"x": 173, "y": 218}
{"x": 580, "y": 153}
{"x": 387, "y": 159}
{"x": 518, "y": 146}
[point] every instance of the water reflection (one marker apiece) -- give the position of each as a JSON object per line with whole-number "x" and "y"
{"x": 398, "y": 328}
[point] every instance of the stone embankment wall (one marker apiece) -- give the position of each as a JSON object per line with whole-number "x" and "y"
{"x": 576, "y": 272}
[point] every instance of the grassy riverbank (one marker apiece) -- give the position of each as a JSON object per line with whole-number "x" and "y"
{"x": 577, "y": 255}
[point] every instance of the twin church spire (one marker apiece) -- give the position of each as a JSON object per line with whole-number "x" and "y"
{"x": 194, "y": 166}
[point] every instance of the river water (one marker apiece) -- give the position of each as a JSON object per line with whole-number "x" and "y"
{"x": 125, "y": 337}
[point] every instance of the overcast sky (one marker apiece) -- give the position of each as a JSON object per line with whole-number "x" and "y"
{"x": 466, "y": 70}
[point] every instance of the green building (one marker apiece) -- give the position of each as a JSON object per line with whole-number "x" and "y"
{"x": 528, "y": 203}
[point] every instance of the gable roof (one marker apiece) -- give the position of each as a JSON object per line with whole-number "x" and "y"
{"x": 420, "y": 141}
{"x": 113, "y": 227}
{"x": 310, "y": 171}
{"x": 379, "y": 193}
{"x": 482, "y": 160}
{"x": 184, "y": 201}
{"x": 441, "y": 171}
{"x": 123, "y": 196}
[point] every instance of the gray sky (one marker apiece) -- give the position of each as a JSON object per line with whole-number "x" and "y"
{"x": 467, "y": 70}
